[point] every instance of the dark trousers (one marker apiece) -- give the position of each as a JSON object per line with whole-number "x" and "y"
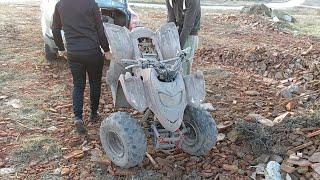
{"x": 80, "y": 65}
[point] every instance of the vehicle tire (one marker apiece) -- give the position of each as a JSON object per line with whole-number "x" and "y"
{"x": 50, "y": 53}
{"x": 123, "y": 140}
{"x": 202, "y": 131}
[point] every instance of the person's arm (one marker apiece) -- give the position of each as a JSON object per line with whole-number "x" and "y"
{"x": 189, "y": 20}
{"x": 100, "y": 29}
{"x": 56, "y": 28}
{"x": 170, "y": 16}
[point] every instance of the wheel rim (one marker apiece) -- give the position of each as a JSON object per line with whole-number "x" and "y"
{"x": 115, "y": 144}
{"x": 191, "y": 136}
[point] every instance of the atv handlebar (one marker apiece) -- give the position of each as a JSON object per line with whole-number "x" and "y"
{"x": 144, "y": 63}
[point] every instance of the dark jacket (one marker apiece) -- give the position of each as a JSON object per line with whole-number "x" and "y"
{"x": 187, "y": 20}
{"x": 82, "y": 26}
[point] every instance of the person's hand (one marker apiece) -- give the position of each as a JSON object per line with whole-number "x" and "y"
{"x": 108, "y": 55}
{"x": 62, "y": 54}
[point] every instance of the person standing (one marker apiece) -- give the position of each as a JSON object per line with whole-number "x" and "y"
{"x": 186, "y": 14}
{"x": 84, "y": 35}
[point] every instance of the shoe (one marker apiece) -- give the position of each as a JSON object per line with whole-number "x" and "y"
{"x": 81, "y": 129}
{"x": 94, "y": 117}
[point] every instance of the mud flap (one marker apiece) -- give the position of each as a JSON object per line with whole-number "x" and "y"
{"x": 134, "y": 92}
{"x": 195, "y": 88}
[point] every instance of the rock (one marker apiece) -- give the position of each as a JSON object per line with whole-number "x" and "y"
{"x": 315, "y": 158}
{"x": 252, "y": 93}
{"x": 74, "y": 154}
{"x": 272, "y": 171}
{"x": 221, "y": 137}
{"x": 257, "y": 9}
{"x": 286, "y": 94}
{"x": 302, "y": 170}
{"x": 275, "y": 19}
{"x": 316, "y": 167}
{"x": 291, "y": 105}
{"x": 232, "y": 135}
{"x": 99, "y": 157}
{"x": 4, "y": 171}
{"x": 282, "y": 117}
{"x": 57, "y": 171}
{"x": 3, "y": 97}
{"x": 288, "y": 177}
{"x": 278, "y": 75}
{"x": 224, "y": 125}
{"x": 294, "y": 88}
{"x": 65, "y": 171}
{"x": 276, "y": 158}
{"x": 228, "y": 167}
{"x": 263, "y": 158}
{"x": 316, "y": 176}
{"x": 2, "y": 163}
{"x": 52, "y": 128}
{"x": 286, "y": 168}
{"x": 294, "y": 157}
{"x": 301, "y": 162}
{"x": 15, "y": 103}
{"x": 207, "y": 107}
{"x": 283, "y": 16}
{"x": 261, "y": 119}
{"x": 300, "y": 155}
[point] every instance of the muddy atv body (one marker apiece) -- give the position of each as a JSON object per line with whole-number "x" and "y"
{"x": 146, "y": 75}
{"x": 113, "y": 11}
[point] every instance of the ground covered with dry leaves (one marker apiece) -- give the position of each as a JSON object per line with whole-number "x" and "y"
{"x": 261, "y": 77}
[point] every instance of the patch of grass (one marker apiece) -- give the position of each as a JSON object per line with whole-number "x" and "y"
{"x": 6, "y": 76}
{"x": 308, "y": 21}
{"x": 257, "y": 136}
{"x": 29, "y": 114}
{"x": 263, "y": 139}
{"x": 38, "y": 148}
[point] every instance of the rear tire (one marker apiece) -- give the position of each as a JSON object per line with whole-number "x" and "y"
{"x": 202, "y": 132}
{"x": 51, "y": 54}
{"x": 123, "y": 140}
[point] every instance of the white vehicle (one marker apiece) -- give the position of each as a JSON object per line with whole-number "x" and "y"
{"x": 113, "y": 11}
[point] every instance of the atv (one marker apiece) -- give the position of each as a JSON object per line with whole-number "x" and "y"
{"x": 146, "y": 74}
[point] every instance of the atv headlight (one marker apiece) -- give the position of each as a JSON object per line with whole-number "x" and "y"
{"x": 170, "y": 101}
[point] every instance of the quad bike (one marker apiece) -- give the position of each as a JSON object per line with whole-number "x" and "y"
{"x": 145, "y": 74}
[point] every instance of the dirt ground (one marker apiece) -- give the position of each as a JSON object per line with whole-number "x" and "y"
{"x": 245, "y": 60}
{"x": 217, "y": 2}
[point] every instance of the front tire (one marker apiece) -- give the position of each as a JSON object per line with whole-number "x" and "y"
{"x": 123, "y": 140}
{"x": 201, "y": 134}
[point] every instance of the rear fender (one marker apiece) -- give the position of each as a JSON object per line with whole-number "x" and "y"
{"x": 195, "y": 88}
{"x": 134, "y": 92}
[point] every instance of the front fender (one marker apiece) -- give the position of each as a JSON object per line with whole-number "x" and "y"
{"x": 134, "y": 92}
{"x": 195, "y": 88}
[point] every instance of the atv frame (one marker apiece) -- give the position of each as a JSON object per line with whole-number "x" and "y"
{"x": 145, "y": 74}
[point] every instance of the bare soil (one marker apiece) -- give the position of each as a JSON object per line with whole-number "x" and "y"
{"x": 36, "y": 111}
